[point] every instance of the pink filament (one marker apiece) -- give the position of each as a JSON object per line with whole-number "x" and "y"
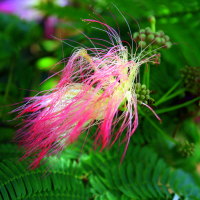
{"x": 86, "y": 92}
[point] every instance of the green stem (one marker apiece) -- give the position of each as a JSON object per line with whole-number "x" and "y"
{"x": 170, "y": 96}
{"x": 164, "y": 110}
{"x": 152, "y": 21}
{"x": 146, "y": 78}
{"x": 165, "y": 135}
{"x": 8, "y": 85}
{"x": 168, "y": 92}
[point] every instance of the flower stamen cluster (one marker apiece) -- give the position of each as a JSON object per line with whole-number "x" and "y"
{"x": 92, "y": 88}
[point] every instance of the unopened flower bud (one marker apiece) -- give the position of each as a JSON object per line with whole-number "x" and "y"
{"x": 142, "y": 36}
{"x": 158, "y": 40}
{"x": 148, "y": 30}
{"x": 150, "y": 37}
{"x": 168, "y": 45}
{"x": 135, "y": 35}
{"x": 142, "y": 44}
{"x": 166, "y": 37}
{"x": 161, "y": 33}
{"x": 142, "y": 31}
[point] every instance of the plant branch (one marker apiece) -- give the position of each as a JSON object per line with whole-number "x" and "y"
{"x": 164, "y": 110}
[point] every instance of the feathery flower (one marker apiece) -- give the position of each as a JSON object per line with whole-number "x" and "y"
{"x": 94, "y": 86}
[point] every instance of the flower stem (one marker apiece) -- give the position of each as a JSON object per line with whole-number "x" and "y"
{"x": 164, "y": 110}
{"x": 170, "y": 96}
{"x": 162, "y": 99}
{"x": 170, "y": 140}
{"x": 146, "y": 78}
{"x": 152, "y": 21}
{"x": 10, "y": 77}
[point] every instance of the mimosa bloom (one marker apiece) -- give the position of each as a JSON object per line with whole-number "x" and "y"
{"x": 97, "y": 86}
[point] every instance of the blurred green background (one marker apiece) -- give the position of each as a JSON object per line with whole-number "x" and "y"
{"x": 163, "y": 160}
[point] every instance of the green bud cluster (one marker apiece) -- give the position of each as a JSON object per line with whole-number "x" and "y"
{"x": 186, "y": 149}
{"x": 143, "y": 94}
{"x": 157, "y": 39}
{"x": 191, "y": 78}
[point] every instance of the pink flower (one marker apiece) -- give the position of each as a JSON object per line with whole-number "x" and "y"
{"x": 25, "y": 8}
{"x": 93, "y": 87}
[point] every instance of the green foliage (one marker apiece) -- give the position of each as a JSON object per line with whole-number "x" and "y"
{"x": 141, "y": 175}
{"x": 15, "y": 35}
{"x": 60, "y": 178}
{"x": 16, "y": 39}
{"x": 150, "y": 178}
